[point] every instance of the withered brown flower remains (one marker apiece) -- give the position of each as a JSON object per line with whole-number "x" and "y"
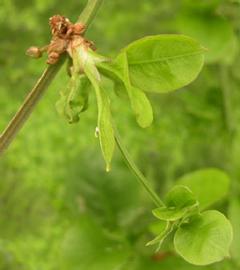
{"x": 64, "y": 35}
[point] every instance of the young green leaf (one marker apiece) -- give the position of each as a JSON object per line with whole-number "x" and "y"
{"x": 106, "y": 132}
{"x": 155, "y": 64}
{"x": 163, "y": 63}
{"x": 84, "y": 59}
{"x": 179, "y": 202}
{"x": 205, "y": 239}
{"x": 118, "y": 71}
{"x": 139, "y": 101}
{"x": 160, "y": 63}
{"x": 74, "y": 100}
{"x": 209, "y": 185}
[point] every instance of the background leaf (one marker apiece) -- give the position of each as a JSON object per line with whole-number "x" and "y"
{"x": 208, "y": 185}
{"x": 85, "y": 246}
{"x": 213, "y": 31}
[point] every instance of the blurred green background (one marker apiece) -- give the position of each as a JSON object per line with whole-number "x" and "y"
{"x": 59, "y": 209}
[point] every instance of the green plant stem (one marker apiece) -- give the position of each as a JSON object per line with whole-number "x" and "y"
{"x": 32, "y": 99}
{"x": 28, "y": 105}
{"x": 90, "y": 12}
{"x": 133, "y": 167}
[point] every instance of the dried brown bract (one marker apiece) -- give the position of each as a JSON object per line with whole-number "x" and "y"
{"x": 64, "y": 34}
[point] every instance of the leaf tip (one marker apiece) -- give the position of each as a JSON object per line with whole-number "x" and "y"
{"x": 108, "y": 168}
{"x": 148, "y": 244}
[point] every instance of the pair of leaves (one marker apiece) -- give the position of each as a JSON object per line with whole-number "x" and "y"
{"x": 156, "y": 64}
{"x": 200, "y": 238}
{"x": 178, "y": 202}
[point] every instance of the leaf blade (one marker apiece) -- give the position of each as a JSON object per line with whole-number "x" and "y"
{"x": 205, "y": 239}
{"x": 164, "y": 63}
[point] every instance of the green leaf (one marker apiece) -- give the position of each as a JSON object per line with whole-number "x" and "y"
{"x": 86, "y": 60}
{"x": 208, "y": 185}
{"x": 105, "y": 128}
{"x": 74, "y": 100}
{"x": 139, "y": 101}
{"x": 205, "y": 239}
{"x": 179, "y": 202}
{"x": 163, "y": 63}
{"x": 154, "y": 64}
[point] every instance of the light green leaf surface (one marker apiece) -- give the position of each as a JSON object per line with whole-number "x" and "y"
{"x": 163, "y": 63}
{"x": 86, "y": 60}
{"x": 205, "y": 239}
{"x": 139, "y": 101}
{"x": 158, "y": 64}
{"x": 179, "y": 202}
{"x": 105, "y": 128}
{"x": 208, "y": 185}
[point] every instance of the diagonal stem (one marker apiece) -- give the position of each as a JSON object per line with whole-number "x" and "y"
{"x": 32, "y": 99}
{"x": 90, "y": 12}
{"x": 28, "y": 106}
{"x": 133, "y": 167}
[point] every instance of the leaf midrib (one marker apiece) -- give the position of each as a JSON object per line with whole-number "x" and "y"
{"x": 162, "y": 59}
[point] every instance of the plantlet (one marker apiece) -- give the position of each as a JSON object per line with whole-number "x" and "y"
{"x": 157, "y": 64}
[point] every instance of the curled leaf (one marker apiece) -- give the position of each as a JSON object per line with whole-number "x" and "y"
{"x": 74, "y": 100}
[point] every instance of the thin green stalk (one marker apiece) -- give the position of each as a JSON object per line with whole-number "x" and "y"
{"x": 90, "y": 12}
{"x": 28, "y": 106}
{"x": 133, "y": 167}
{"x": 15, "y": 125}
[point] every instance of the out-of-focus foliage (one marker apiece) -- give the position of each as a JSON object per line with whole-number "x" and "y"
{"x": 59, "y": 209}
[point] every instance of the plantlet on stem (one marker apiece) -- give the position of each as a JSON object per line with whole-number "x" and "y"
{"x": 158, "y": 64}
